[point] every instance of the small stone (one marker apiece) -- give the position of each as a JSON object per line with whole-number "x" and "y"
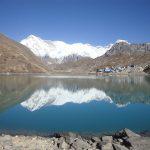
{"x": 1, "y": 146}
{"x": 90, "y": 142}
{"x": 94, "y": 145}
{"x": 107, "y": 146}
{"x": 71, "y": 137}
{"x": 7, "y": 137}
{"x": 95, "y": 139}
{"x": 119, "y": 147}
{"x": 130, "y": 134}
{"x": 141, "y": 143}
{"x": 56, "y": 135}
{"x": 61, "y": 139}
{"x": 80, "y": 144}
{"x": 64, "y": 145}
{"x": 8, "y": 147}
{"x": 120, "y": 140}
{"x": 34, "y": 138}
{"x": 107, "y": 139}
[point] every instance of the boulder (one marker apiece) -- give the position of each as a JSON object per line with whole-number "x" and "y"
{"x": 140, "y": 143}
{"x": 107, "y": 146}
{"x": 94, "y": 145}
{"x": 107, "y": 139}
{"x": 95, "y": 139}
{"x": 57, "y": 135}
{"x": 147, "y": 69}
{"x": 1, "y": 146}
{"x": 125, "y": 133}
{"x": 130, "y": 133}
{"x": 79, "y": 144}
{"x": 71, "y": 137}
{"x": 120, "y": 140}
{"x": 119, "y": 147}
{"x": 64, "y": 145}
{"x": 8, "y": 137}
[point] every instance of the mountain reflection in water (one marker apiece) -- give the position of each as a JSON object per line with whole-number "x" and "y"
{"x": 36, "y": 92}
{"x": 54, "y": 104}
{"x": 61, "y": 96}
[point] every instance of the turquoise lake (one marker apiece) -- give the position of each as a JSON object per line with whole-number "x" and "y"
{"x": 42, "y": 104}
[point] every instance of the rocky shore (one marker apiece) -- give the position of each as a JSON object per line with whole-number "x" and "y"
{"x": 122, "y": 140}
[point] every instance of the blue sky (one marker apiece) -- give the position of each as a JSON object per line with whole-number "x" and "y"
{"x": 98, "y": 22}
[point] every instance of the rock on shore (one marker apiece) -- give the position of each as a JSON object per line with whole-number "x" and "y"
{"x": 123, "y": 140}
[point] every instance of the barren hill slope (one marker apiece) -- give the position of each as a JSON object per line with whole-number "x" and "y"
{"x": 16, "y": 58}
{"x": 124, "y": 54}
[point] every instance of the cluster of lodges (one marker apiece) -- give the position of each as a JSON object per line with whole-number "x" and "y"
{"x": 116, "y": 69}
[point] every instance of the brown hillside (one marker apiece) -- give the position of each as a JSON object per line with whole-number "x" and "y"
{"x": 123, "y": 60}
{"x": 16, "y": 58}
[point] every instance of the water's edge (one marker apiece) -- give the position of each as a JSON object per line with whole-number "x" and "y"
{"x": 124, "y": 139}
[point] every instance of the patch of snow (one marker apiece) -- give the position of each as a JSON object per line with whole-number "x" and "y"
{"x": 122, "y": 105}
{"x": 122, "y": 41}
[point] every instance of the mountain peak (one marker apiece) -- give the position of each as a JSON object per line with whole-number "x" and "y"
{"x": 60, "y": 49}
{"x": 38, "y": 46}
{"x": 32, "y": 36}
{"x": 122, "y": 41}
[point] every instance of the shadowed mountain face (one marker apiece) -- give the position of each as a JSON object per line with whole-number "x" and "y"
{"x": 16, "y": 58}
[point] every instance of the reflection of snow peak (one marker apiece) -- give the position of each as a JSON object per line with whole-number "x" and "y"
{"x": 60, "y": 96}
{"x": 122, "y": 105}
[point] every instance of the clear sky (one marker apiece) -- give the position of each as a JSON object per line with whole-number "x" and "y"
{"x": 98, "y": 22}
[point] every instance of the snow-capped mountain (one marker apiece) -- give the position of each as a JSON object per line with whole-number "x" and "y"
{"x": 60, "y": 50}
{"x": 122, "y": 41}
{"x": 60, "y": 96}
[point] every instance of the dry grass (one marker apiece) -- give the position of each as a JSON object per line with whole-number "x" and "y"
{"x": 16, "y": 58}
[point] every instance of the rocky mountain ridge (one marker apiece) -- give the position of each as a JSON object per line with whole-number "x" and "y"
{"x": 123, "y": 47}
{"x": 124, "y": 54}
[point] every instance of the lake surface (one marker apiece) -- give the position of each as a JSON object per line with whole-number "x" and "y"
{"x": 39, "y": 104}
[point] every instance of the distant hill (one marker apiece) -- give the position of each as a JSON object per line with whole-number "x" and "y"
{"x": 124, "y": 54}
{"x": 16, "y": 58}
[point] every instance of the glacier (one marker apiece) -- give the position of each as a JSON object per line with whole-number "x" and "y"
{"x": 60, "y": 49}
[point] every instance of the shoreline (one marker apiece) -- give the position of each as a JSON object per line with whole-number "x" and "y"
{"x": 74, "y": 75}
{"x": 50, "y": 134}
{"x": 121, "y": 140}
